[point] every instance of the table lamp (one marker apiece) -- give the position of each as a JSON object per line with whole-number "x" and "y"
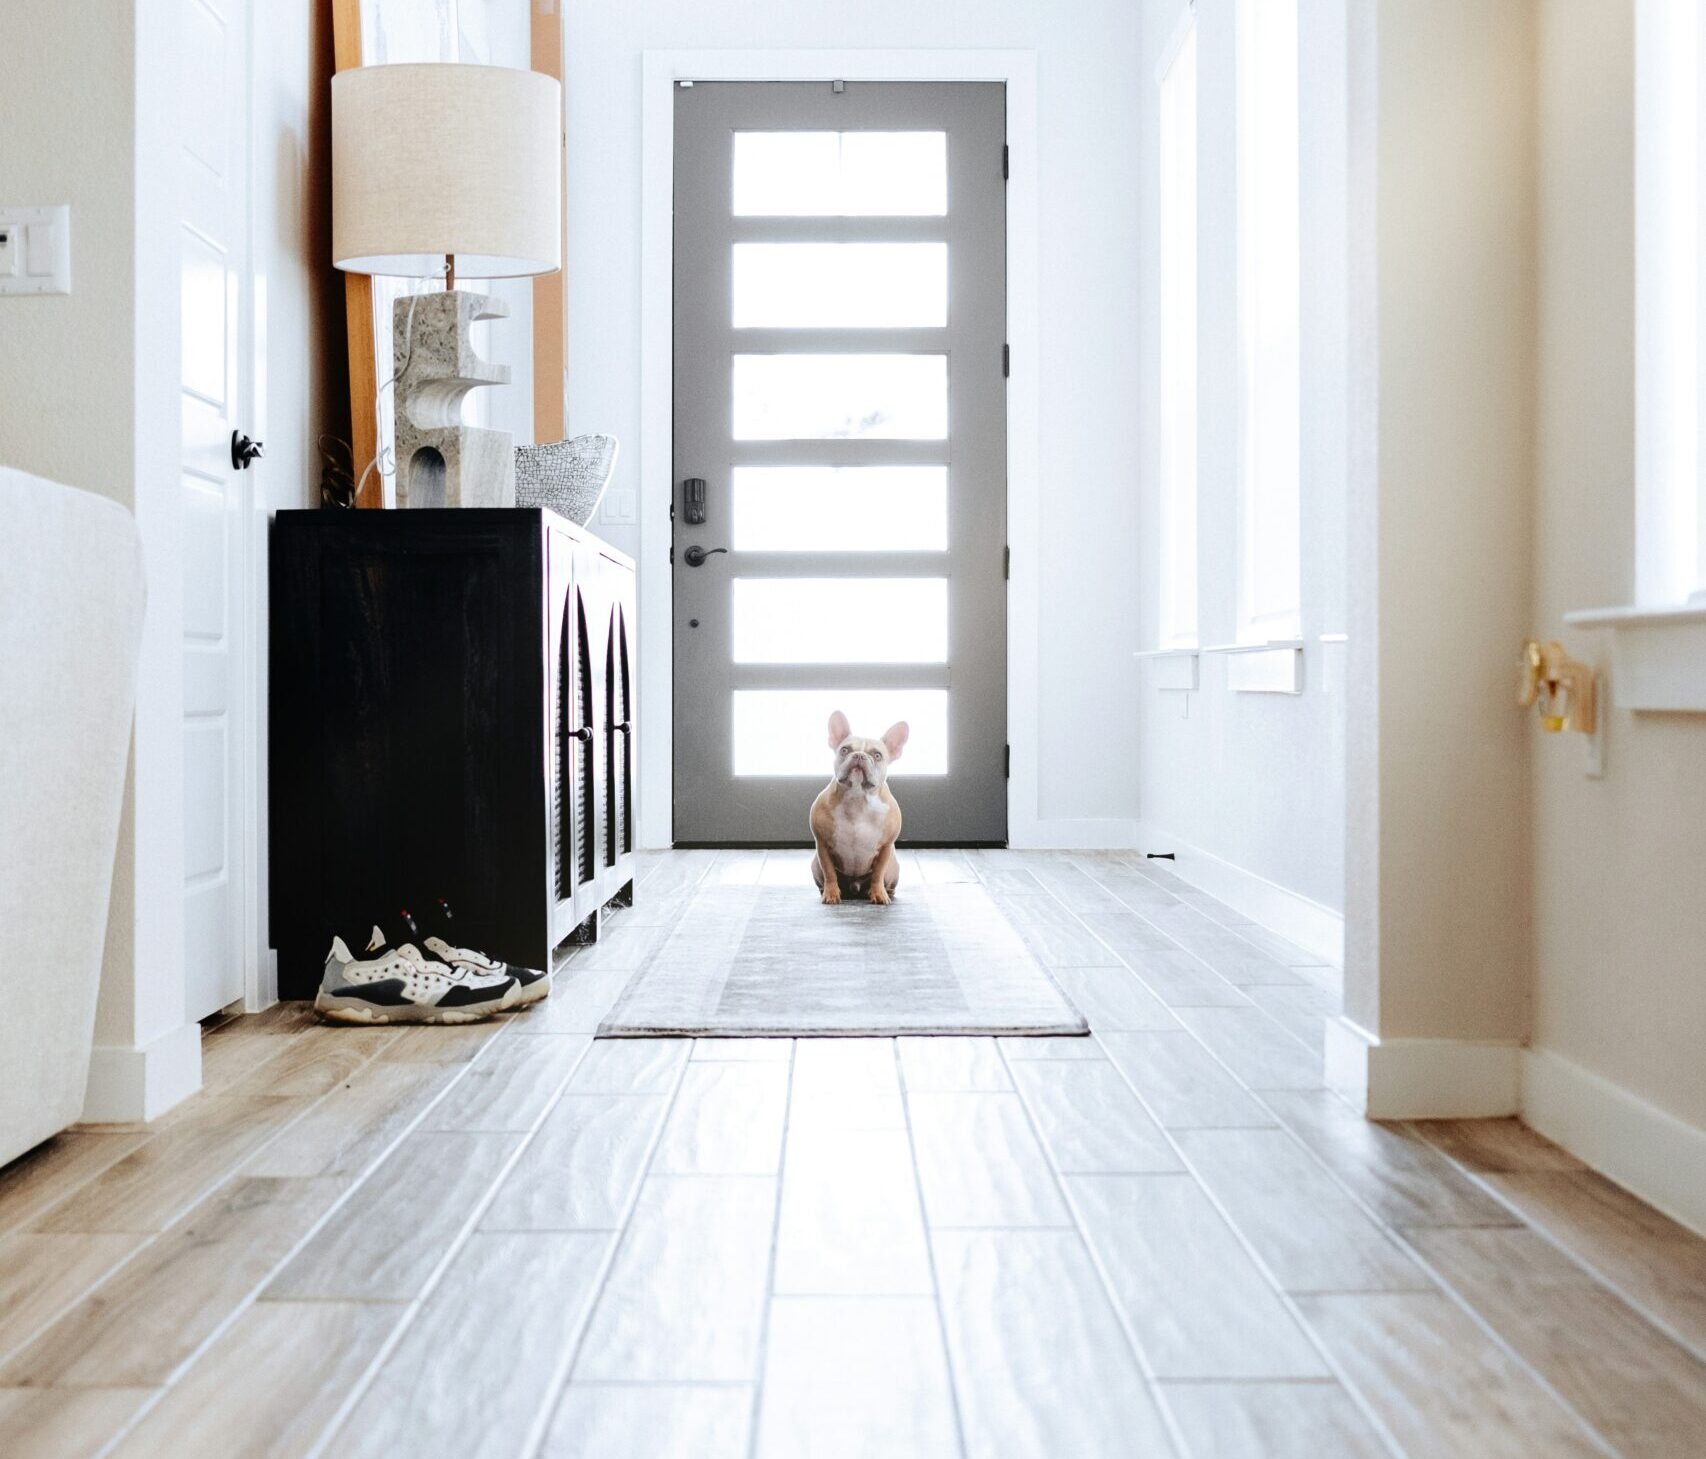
{"x": 440, "y": 171}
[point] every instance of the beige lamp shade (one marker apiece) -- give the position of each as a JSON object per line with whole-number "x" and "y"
{"x": 436, "y": 160}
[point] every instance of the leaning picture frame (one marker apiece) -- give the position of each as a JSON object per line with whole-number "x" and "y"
{"x": 517, "y": 33}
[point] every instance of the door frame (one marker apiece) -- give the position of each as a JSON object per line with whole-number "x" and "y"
{"x": 660, "y": 72}
{"x": 260, "y": 961}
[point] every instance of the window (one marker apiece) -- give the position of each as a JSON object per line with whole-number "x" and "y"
{"x": 1671, "y": 514}
{"x": 1178, "y": 524}
{"x": 1269, "y": 283}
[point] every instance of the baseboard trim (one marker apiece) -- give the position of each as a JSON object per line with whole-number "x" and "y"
{"x": 1645, "y": 1149}
{"x": 1312, "y": 926}
{"x": 1065, "y": 834}
{"x": 1421, "y": 1079}
{"x": 1069, "y": 833}
{"x": 143, "y": 1083}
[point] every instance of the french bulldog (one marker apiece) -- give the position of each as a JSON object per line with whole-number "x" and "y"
{"x": 855, "y": 818}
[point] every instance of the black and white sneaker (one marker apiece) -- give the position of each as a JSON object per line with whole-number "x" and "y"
{"x": 531, "y": 984}
{"x": 378, "y": 946}
{"x": 388, "y": 985}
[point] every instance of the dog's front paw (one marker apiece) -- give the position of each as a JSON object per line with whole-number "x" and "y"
{"x": 832, "y": 896}
{"x": 880, "y": 895}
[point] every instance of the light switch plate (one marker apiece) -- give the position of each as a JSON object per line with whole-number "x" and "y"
{"x": 36, "y": 256}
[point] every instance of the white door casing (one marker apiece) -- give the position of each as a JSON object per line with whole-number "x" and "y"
{"x": 661, "y": 70}
{"x": 217, "y": 397}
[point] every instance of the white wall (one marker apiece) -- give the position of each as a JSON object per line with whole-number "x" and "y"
{"x": 66, "y": 409}
{"x": 1619, "y": 863}
{"x": 65, "y": 406}
{"x": 1256, "y": 780}
{"x": 89, "y": 394}
{"x": 1444, "y": 603}
{"x": 88, "y": 383}
{"x": 1092, "y": 115}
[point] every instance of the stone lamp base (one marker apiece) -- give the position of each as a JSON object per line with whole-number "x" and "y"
{"x": 440, "y": 461}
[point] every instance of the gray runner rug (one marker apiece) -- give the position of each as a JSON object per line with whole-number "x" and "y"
{"x": 766, "y": 961}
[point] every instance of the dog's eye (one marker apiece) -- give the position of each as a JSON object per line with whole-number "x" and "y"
{"x": 845, "y": 749}
{"x": 876, "y": 754}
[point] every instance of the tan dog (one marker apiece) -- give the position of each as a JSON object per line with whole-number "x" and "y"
{"x": 855, "y": 818}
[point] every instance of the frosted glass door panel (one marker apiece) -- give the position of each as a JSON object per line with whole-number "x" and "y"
{"x": 782, "y": 731}
{"x": 840, "y": 508}
{"x": 840, "y": 285}
{"x": 840, "y": 397}
{"x": 840, "y": 174}
{"x": 840, "y": 620}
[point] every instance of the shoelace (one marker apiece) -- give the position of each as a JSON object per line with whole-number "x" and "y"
{"x": 410, "y": 956}
{"x": 453, "y": 971}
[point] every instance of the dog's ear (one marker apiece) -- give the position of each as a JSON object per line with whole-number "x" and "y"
{"x": 839, "y": 729}
{"x": 894, "y": 739}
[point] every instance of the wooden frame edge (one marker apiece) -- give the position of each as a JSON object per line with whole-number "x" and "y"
{"x": 550, "y": 291}
{"x": 358, "y": 300}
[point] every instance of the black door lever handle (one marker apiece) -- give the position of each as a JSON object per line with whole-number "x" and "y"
{"x": 243, "y": 451}
{"x": 695, "y": 555}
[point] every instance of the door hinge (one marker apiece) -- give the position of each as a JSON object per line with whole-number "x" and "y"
{"x": 1007, "y": 563}
{"x": 1006, "y": 162}
{"x": 1006, "y": 361}
{"x": 1007, "y": 761}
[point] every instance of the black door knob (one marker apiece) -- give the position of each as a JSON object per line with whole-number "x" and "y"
{"x": 695, "y": 555}
{"x": 243, "y": 451}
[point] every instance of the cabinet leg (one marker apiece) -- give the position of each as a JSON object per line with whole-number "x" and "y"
{"x": 591, "y": 929}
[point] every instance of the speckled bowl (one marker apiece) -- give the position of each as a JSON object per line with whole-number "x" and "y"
{"x": 569, "y": 477}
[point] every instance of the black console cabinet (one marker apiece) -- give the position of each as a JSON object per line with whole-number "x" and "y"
{"x": 452, "y": 715}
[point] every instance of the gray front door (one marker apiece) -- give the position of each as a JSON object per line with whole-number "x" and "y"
{"x": 841, "y": 415}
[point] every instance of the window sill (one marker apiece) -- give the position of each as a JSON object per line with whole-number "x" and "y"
{"x": 1658, "y": 655}
{"x": 1267, "y": 645}
{"x": 1272, "y": 667}
{"x": 1171, "y": 668}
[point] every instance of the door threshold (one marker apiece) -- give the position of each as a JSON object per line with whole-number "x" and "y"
{"x": 807, "y": 845}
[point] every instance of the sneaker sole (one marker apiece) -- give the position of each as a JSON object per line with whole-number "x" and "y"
{"x": 354, "y": 1010}
{"x": 533, "y": 992}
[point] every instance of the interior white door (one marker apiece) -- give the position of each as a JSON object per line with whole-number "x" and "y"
{"x": 216, "y": 399}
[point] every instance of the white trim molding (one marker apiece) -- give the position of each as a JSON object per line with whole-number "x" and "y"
{"x": 1421, "y": 1079}
{"x": 1170, "y": 668}
{"x": 128, "y": 1084}
{"x": 1314, "y": 927}
{"x": 1658, "y": 655}
{"x": 1645, "y": 1149}
{"x": 1273, "y": 667}
{"x": 1078, "y": 833}
{"x": 661, "y": 69}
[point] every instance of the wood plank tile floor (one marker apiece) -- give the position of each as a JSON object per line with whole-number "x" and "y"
{"x": 1167, "y": 1239}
